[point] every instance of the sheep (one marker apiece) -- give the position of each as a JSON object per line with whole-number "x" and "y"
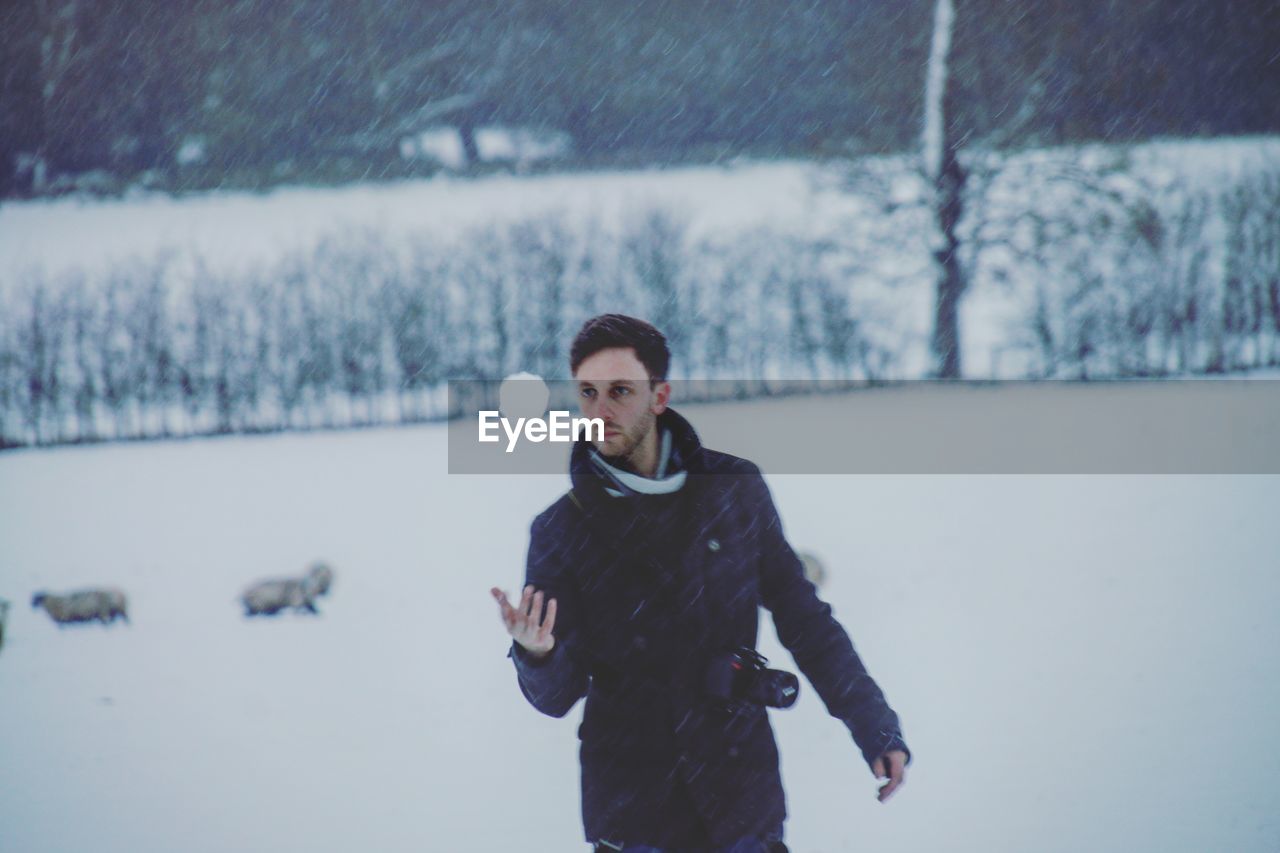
{"x": 322, "y": 577}
{"x": 84, "y": 605}
{"x": 114, "y": 604}
{"x": 814, "y": 570}
{"x": 269, "y": 597}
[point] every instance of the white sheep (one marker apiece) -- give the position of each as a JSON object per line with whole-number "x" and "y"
{"x": 85, "y": 605}
{"x": 269, "y": 597}
{"x": 321, "y": 577}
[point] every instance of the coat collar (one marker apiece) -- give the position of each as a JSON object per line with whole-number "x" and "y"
{"x": 683, "y": 456}
{"x": 649, "y": 530}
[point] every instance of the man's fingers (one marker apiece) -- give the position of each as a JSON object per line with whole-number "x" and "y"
{"x": 895, "y": 780}
{"x": 498, "y": 596}
{"x": 526, "y": 621}
{"x": 544, "y": 630}
{"x": 895, "y": 763}
{"x": 504, "y": 607}
{"x": 519, "y": 623}
{"x": 551, "y": 616}
{"x": 501, "y": 598}
{"x": 898, "y": 770}
{"x": 520, "y": 629}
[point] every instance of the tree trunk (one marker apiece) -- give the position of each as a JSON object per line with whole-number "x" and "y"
{"x": 943, "y": 168}
{"x": 470, "y": 151}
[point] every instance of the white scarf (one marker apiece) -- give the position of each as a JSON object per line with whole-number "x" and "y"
{"x": 660, "y": 484}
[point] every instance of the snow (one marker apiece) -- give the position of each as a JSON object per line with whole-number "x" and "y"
{"x": 1080, "y": 663}
{"x": 523, "y": 146}
{"x": 442, "y": 144}
{"x": 230, "y": 231}
{"x": 192, "y": 151}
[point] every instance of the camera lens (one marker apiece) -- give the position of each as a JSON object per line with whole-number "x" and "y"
{"x": 775, "y": 688}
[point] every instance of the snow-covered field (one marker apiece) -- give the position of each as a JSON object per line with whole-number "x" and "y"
{"x": 1080, "y": 663}
{"x": 231, "y": 229}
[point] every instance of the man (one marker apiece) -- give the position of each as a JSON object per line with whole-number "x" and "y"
{"x": 639, "y": 582}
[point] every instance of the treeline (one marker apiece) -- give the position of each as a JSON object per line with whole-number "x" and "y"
{"x": 1140, "y": 281}
{"x": 359, "y": 332}
{"x": 1092, "y": 261}
{"x": 1097, "y": 273}
{"x": 253, "y": 92}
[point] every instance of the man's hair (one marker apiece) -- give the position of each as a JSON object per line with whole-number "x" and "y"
{"x": 608, "y": 331}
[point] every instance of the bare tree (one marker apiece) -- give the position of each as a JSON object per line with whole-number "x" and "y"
{"x": 541, "y": 270}
{"x": 654, "y": 249}
{"x": 947, "y": 176}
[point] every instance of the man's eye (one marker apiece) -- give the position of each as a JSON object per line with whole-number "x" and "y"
{"x": 621, "y": 391}
{"x": 587, "y": 392}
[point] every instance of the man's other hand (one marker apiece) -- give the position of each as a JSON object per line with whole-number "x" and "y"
{"x": 894, "y": 765}
{"x": 526, "y": 623}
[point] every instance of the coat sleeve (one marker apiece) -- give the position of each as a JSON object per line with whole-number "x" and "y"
{"x": 820, "y": 645}
{"x": 554, "y": 683}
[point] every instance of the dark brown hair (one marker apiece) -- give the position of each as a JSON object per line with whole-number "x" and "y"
{"x": 608, "y": 331}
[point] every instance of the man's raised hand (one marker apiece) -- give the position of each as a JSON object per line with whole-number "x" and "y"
{"x": 526, "y": 623}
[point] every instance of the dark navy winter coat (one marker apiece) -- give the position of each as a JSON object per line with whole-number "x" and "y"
{"x": 649, "y": 589}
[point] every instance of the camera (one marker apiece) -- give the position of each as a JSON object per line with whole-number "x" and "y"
{"x": 741, "y": 675}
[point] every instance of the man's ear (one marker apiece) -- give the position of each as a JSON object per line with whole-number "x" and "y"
{"x": 661, "y": 395}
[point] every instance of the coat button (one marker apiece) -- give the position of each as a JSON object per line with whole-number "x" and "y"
{"x": 640, "y": 642}
{"x": 733, "y": 752}
{"x": 714, "y": 545}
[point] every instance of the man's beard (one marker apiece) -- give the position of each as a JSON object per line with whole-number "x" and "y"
{"x": 631, "y": 441}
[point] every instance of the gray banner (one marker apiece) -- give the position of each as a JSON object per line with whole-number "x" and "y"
{"x": 1228, "y": 426}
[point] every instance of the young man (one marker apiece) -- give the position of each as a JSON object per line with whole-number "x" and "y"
{"x": 652, "y": 570}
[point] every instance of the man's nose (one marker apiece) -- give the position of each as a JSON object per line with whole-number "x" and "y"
{"x": 601, "y": 409}
{"x": 597, "y": 409}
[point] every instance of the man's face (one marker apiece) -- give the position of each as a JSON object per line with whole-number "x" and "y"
{"x": 613, "y": 385}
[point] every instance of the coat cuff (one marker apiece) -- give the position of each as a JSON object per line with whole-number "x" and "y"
{"x": 884, "y": 741}
{"x": 521, "y": 656}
